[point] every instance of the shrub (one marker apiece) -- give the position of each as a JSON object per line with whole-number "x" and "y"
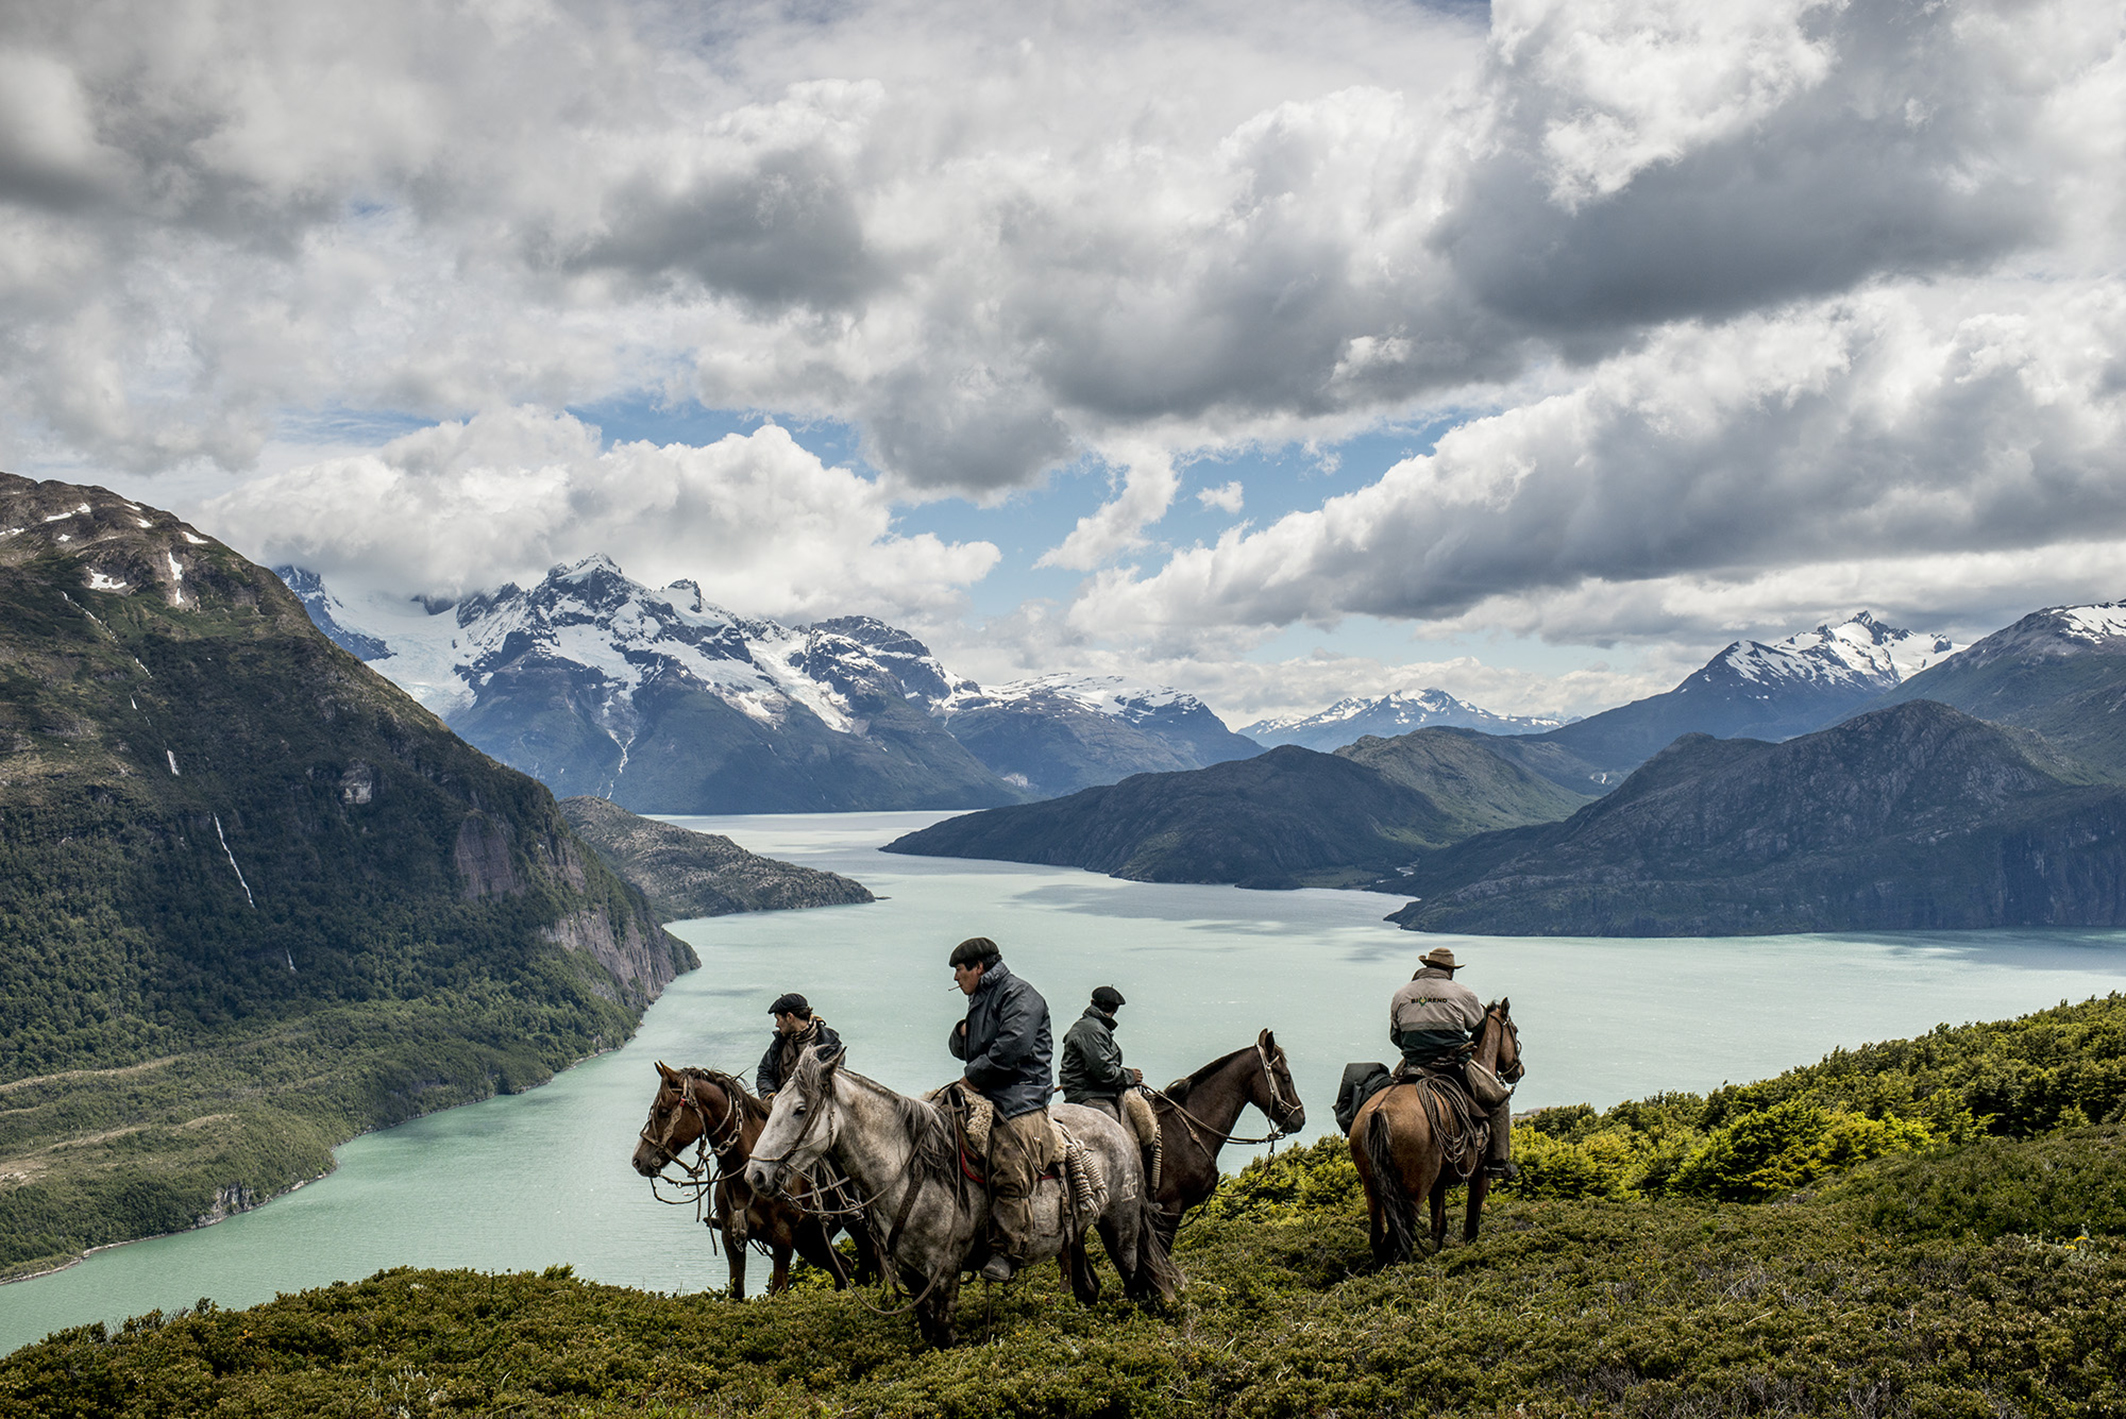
{"x": 1787, "y": 1146}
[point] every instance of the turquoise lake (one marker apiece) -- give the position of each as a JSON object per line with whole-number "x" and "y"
{"x": 536, "y": 1179}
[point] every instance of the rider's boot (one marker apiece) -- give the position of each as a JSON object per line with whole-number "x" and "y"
{"x": 999, "y": 1267}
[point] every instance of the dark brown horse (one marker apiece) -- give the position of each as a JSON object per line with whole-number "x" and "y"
{"x": 1408, "y": 1142}
{"x": 697, "y": 1107}
{"x": 1196, "y": 1118}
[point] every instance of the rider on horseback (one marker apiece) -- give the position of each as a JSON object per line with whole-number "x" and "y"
{"x": 797, "y": 1029}
{"x": 1093, "y": 1073}
{"x": 1432, "y": 1020}
{"x": 1005, "y": 1042}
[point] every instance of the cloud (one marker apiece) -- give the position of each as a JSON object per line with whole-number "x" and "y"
{"x": 1227, "y": 497}
{"x": 1894, "y": 424}
{"x": 759, "y": 522}
{"x": 1714, "y": 291}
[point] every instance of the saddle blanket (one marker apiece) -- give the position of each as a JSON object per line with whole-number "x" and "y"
{"x": 1074, "y": 1165}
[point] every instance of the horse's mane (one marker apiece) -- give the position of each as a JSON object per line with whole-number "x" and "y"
{"x": 935, "y": 1148}
{"x": 1179, "y": 1090}
{"x": 732, "y": 1086}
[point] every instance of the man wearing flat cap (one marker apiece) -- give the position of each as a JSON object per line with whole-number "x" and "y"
{"x": 1433, "y": 1021}
{"x": 1004, "y": 1041}
{"x": 797, "y": 1029}
{"x": 1093, "y": 1073}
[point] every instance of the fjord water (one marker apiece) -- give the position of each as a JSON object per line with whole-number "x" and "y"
{"x": 542, "y": 1178}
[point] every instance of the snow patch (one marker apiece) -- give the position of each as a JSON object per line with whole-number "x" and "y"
{"x": 240, "y": 874}
{"x": 171, "y": 754}
{"x": 2097, "y": 622}
{"x": 193, "y": 538}
{"x": 177, "y": 577}
{"x": 99, "y": 582}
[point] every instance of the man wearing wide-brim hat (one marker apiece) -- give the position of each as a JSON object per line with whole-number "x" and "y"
{"x": 1433, "y": 1021}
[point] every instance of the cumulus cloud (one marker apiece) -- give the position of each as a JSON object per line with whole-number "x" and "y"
{"x": 1880, "y": 426}
{"x": 759, "y": 522}
{"x": 1226, "y": 497}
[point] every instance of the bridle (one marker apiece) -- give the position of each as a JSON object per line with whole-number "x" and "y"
{"x": 1281, "y": 1107}
{"x": 1497, "y": 1016}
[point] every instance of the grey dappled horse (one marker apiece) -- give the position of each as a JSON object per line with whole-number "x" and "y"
{"x": 928, "y": 1218}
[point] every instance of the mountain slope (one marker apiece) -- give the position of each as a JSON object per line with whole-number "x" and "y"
{"x": 1476, "y": 787}
{"x": 2060, "y": 671}
{"x": 239, "y": 863}
{"x": 687, "y": 874}
{"x": 1913, "y": 816}
{"x": 1386, "y": 716}
{"x": 1753, "y": 690}
{"x": 1287, "y": 818}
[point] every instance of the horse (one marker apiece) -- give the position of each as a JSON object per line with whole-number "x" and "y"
{"x": 1403, "y": 1149}
{"x": 925, "y": 1209}
{"x": 1196, "y": 1117}
{"x": 713, "y": 1113}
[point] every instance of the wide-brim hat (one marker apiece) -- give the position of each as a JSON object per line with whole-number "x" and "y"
{"x": 1441, "y": 957}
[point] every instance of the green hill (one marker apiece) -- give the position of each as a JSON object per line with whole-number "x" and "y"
{"x": 1978, "y": 1272}
{"x": 253, "y": 899}
{"x": 686, "y": 874}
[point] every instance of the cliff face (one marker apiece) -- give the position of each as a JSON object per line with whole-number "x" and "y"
{"x": 1915, "y": 816}
{"x": 687, "y": 874}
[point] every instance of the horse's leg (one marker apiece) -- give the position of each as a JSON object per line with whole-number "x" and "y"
{"x": 815, "y": 1246}
{"x": 870, "y": 1270}
{"x": 734, "y": 1253}
{"x": 1078, "y": 1270}
{"x": 1479, "y": 1189}
{"x": 779, "y": 1278}
{"x": 1439, "y": 1211}
{"x": 934, "y": 1315}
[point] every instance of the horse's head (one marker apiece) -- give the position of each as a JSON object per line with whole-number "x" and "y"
{"x": 688, "y": 1103}
{"x": 802, "y": 1124}
{"x": 1274, "y": 1092}
{"x": 1500, "y": 1018}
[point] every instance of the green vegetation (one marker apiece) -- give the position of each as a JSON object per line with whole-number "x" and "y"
{"x": 253, "y": 899}
{"x": 1981, "y": 1274}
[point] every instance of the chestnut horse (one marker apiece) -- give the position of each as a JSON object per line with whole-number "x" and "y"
{"x": 714, "y": 1114}
{"x": 1196, "y": 1117}
{"x": 1408, "y": 1144}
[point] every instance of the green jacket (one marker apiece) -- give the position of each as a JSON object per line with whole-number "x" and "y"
{"x": 1092, "y": 1061}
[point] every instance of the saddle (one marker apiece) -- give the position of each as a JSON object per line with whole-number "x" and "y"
{"x": 1142, "y": 1120}
{"x": 1073, "y": 1166}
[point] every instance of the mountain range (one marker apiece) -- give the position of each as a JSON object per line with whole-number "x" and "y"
{"x": 1385, "y": 716}
{"x": 1914, "y": 815}
{"x": 597, "y": 684}
{"x": 1291, "y": 817}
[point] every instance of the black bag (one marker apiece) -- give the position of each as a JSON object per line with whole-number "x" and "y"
{"x": 1361, "y": 1082}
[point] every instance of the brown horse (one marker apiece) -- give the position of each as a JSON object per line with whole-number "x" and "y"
{"x": 1196, "y": 1118}
{"x": 1408, "y": 1144}
{"x": 714, "y": 1114}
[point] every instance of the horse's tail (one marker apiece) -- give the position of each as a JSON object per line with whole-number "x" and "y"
{"x": 1396, "y": 1206}
{"x": 1155, "y": 1264}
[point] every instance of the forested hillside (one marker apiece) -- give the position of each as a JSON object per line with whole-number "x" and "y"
{"x": 253, "y": 899}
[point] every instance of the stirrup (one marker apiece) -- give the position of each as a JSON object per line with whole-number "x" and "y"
{"x": 1502, "y": 1172}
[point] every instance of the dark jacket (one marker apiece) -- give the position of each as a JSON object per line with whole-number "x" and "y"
{"x": 1092, "y": 1061}
{"x": 780, "y": 1062}
{"x": 1006, "y": 1043}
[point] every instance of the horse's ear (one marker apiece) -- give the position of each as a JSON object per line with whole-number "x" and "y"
{"x": 665, "y": 1070}
{"x": 1505, "y": 1005}
{"x": 1266, "y": 1040}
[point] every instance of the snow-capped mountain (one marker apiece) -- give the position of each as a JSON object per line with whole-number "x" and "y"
{"x": 2060, "y": 671}
{"x": 1755, "y": 690}
{"x": 1347, "y": 721}
{"x": 664, "y": 702}
{"x": 1056, "y": 734}
{"x": 1858, "y": 652}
